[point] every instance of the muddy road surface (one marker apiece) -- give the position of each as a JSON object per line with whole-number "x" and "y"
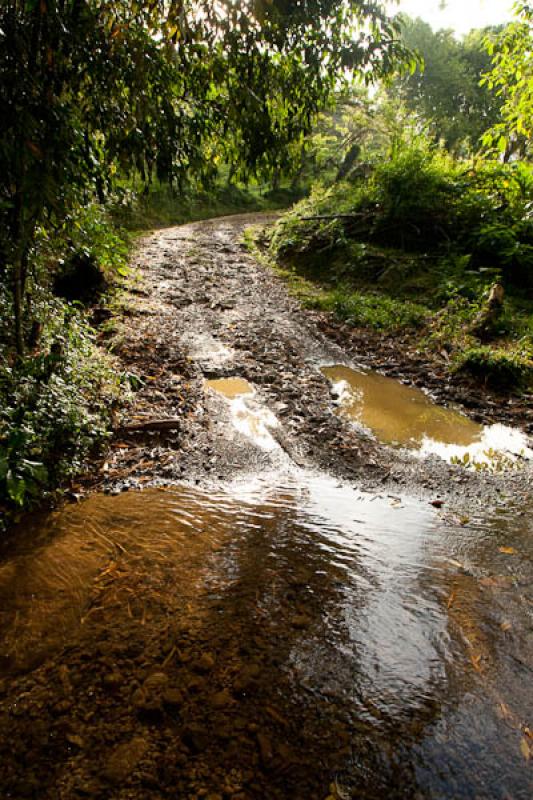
{"x": 275, "y": 585}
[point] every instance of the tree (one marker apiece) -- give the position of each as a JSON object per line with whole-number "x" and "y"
{"x": 445, "y": 87}
{"x": 90, "y": 87}
{"x": 511, "y": 78}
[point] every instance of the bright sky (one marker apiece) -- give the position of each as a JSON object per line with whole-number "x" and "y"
{"x": 461, "y": 15}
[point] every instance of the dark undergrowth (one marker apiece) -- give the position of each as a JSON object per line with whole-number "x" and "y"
{"x": 59, "y": 399}
{"x": 161, "y": 206}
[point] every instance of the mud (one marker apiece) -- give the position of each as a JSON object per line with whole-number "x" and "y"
{"x": 207, "y": 310}
{"x": 292, "y": 609}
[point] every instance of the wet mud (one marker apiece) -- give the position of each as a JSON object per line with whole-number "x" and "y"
{"x": 254, "y": 597}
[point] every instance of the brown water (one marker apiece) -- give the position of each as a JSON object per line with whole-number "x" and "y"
{"x": 230, "y": 387}
{"x": 393, "y": 642}
{"x": 403, "y": 415}
{"x": 248, "y": 416}
{"x": 398, "y": 414}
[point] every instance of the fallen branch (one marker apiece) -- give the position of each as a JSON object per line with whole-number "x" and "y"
{"x": 152, "y": 425}
{"x": 334, "y": 216}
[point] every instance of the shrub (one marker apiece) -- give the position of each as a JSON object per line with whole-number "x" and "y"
{"x": 56, "y": 405}
{"x": 421, "y": 200}
{"x": 92, "y": 256}
{"x": 498, "y": 367}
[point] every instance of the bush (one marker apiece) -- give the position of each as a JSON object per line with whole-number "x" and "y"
{"x": 92, "y": 256}
{"x": 56, "y": 405}
{"x": 421, "y": 200}
{"x": 498, "y": 367}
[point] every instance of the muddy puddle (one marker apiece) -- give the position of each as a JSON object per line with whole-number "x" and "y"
{"x": 248, "y": 416}
{"x": 230, "y": 387}
{"x": 405, "y": 416}
{"x": 367, "y": 643}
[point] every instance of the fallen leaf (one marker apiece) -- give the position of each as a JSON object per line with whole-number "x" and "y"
{"x": 525, "y": 749}
{"x": 476, "y": 662}
{"x": 451, "y": 599}
{"x": 455, "y": 563}
{"x": 505, "y": 711}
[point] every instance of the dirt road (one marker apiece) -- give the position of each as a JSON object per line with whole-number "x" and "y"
{"x": 207, "y": 309}
{"x": 287, "y": 615}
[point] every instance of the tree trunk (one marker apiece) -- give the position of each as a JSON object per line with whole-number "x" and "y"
{"x": 18, "y": 300}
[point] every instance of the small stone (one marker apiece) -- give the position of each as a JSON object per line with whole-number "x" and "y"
{"x": 112, "y": 680}
{"x": 300, "y": 621}
{"x": 173, "y": 697}
{"x": 156, "y": 681}
{"x": 62, "y": 707}
{"x": 73, "y": 738}
{"x": 196, "y": 737}
{"x": 247, "y": 678}
{"x": 124, "y": 759}
{"x": 265, "y": 748}
{"x": 205, "y": 663}
{"x": 221, "y": 699}
{"x": 138, "y": 698}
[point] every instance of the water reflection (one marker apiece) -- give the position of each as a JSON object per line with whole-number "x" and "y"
{"x": 402, "y": 415}
{"x": 373, "y": 627}
{"x": 248, "y": 416}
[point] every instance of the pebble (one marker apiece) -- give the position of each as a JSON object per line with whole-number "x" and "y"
{"x": 205, "y": 663}
{"x": 124, "y": 759}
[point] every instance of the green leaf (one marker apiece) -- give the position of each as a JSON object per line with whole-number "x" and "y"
{"x": 16, "y": 488}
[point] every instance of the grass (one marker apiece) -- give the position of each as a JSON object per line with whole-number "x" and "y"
{"x": 162, "y": 207}
{"x": 434, "y": 299}
{"x": 349, "y": 304}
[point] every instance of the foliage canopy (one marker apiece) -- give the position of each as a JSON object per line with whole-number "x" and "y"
{"x": 445, "y": 89}
{"x": 89, "y": 88}
{"x": 511, "y": 78}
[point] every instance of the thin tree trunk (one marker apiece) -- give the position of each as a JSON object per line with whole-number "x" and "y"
{"x": 18, "y": 299}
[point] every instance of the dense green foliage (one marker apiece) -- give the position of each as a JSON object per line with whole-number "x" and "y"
{"x": 54, "y": 407}
{"x": 422, "y": 200}
{"x": 445, "y": 89}
{"x": 511, "y": 79}
{"x": 90, "y": 89}
{"x": 58, "y": 401}
{"x": 419, "y": 243}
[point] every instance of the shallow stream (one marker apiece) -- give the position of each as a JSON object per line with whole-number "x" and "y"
{"x": 394, "y": 639}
